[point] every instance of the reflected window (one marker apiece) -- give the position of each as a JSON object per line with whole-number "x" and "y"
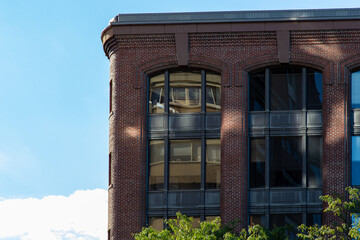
{"x": 192, "y": 91}
{"x": 355, "y": 163}
{"x": 257, "y": 91}
{"x": 355, "y": 90}
{"x": 213, "y": 155}
{"x": 185, "y": 164}
{"x": 156, "y": 165}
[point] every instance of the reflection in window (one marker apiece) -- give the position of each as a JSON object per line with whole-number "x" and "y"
{"x": 213, "y": 92}
{"x": 185, "y": 164}
{"x": 286, "y": 162}
{"x": 314, "y": 156}
{"x": 355, "y": 157}
{"x": 156, "y": 165}
{"x": 355, "y": 90}
{"x": 314, "y": 89}
{"x": 257, "y": 162}
{"x": 257, "y": 91}
{"x": 213, "y": 155}
{"x": 157, "y": 94}
{"x": 257, "y": 219}
{"x": 292, "y": 220}
{"x": 286, "y": 89}
{"x": 185, "y": 92}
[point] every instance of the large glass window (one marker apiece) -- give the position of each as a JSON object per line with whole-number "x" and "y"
{"x": 257, "y": 162}
{"x": 314, "y": 156}
{"x": 213, "y": 156}
{"x": 156, "y": 165}
{"x": 355, "y": 89}
{"x": 355, "y": 166}
{"x": 192, "y": 91}
{"x": 288, "y": 88}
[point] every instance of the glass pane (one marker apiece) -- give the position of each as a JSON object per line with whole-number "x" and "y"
{"x": 257, "y": 162}
{"x": 314, "y": 156}
{"x": 157, "y": 223}
{"x": 257, "y": 219}
{"x": 313, "y": 218}
{"x": 355, "y": 166}
{"x": 285, "y": 162}
{"x": 157, "y": 94}
{"x": 185, "y": 92}
{"x": 355, "y": 90}
{"x": 286, "y": 89}
{"x": 292, "y": 220}
{"x": 213, "y": 92}
{"x": 314, "y": 89}
{"x": 213, "y": 169}
{"x": 185, "y": 164}
{"x": 156, "y": 165}
{"x": 257, "y": 91}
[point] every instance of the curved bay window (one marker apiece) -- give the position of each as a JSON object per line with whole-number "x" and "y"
{"x": 184, "y": 144}
{"x": 285, "y": 120}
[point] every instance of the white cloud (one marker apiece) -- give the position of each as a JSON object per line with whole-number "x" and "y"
{"x": 80, "y": 216}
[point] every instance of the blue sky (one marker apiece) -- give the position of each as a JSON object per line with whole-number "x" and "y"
{"x": 54, "y": 88}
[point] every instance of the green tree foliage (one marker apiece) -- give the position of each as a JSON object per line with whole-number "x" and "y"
{"x": 182, "y": 229}
{"x": 347, "y": 212}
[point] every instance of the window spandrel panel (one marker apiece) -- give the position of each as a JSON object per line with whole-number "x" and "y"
{"x": 213, "y": 167}
{"x": 257, "y": 91}
{"x": 286, "y": 89}
{"x": 156, "y": 165}
{"x": 355, "y": 90}
{"x": 314, "y": 157}
{"x": 355, "y": 156}
{"x": 286, "y": 162}
{"x": 257, "y": 162}
{"x": 314, "y": 89}
{"x": 157, "y": 94}
{"x": 185, "y": 92}
{"x": 185, "y": 164}
{"x": 213, "y": 92}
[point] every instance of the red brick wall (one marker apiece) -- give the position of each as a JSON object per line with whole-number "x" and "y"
{"x": 233, "y": 54}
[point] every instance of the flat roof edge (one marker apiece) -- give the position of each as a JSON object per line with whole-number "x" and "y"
{"x": 236, "y": 16}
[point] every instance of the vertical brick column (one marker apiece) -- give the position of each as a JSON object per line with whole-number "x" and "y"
{"x": 233, "y": 160}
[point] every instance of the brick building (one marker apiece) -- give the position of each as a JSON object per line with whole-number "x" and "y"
{"x": 245, "y": 115}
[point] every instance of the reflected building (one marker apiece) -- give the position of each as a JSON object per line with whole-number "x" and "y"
{"x": 245, "y": 115}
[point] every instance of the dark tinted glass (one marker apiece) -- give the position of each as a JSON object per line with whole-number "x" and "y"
{"x": 285, "y": 162}
{"x": 156, "y": 165}
{"x": 292, "y": 220}
{"x": 257, "y": 219}
{"x": 313, "y": 218}
{"x": 314, "y": 156}
{"x": 355, "y": 160}
{"x": 185, "y": 164}
{"x": 314, "y": 89}
{"x": 257, "y": 91}
{"x": 257, "y": 162}
{"x": 355, "y": 90}
{"x": 286, "y": 89}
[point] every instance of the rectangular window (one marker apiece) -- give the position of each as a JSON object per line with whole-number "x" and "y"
{"x": 157, "y": 94}
{"x": 314, "y": 157}
{"x": 286, "y": 89}
{"x": 313, "y": 218}
{"x": 185, "y": 164}
{"x": 156, "y": 165}
{"x": 257, "y": 91}
{"x": 185, "y": 92}
{"x": 257, "y": 219}
{"x": 314, "y": 89}
{"x": 355, "y": 90}
{"x": 286, "y": 162}
{"x": 292, "y": 220}
{"x": 257, "y": 162}
{"x": 213, "y": 155}
{"x": 355, "y": 164}
{"x": 213, "y": 92}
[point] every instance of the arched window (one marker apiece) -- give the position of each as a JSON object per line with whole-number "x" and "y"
{"x": 184, "y": 109}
